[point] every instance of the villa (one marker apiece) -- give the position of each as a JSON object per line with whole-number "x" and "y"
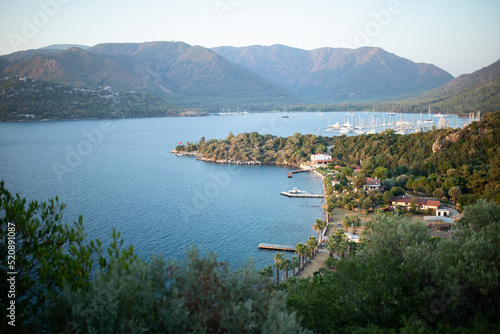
{"x": 422, "y": 204}
{"x": 372, "y": 184}
{"x": 321, "y": 159}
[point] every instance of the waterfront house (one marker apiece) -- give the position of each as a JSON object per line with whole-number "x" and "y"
{"x": 422, "y": 204}
{"x": 321, "y": 159}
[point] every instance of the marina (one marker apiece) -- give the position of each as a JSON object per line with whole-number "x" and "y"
{"x": 376, "y": 122}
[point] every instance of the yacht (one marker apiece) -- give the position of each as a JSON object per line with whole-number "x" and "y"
{"x": 344, "y": 130}
{"x": 335, "y": 126}
{"x": 429, "y": 120}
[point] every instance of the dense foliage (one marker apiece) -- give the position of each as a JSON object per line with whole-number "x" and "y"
{"x": 26, "y": 99}
{"x": 403, "y": 280}
{"x": 66, "y": 284}
{"x": 267, "y": 149}
{"x": 466, "y": 158}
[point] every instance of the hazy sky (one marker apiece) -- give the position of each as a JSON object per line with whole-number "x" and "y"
{"x": 459, "y": 36}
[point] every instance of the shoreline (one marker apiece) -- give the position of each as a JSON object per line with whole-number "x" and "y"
{"x": 199, "y": 156}
{"x": 314, "y": 265}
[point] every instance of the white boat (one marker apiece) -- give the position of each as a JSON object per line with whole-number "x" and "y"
{"x": 335, "y": 126}
{"x": 349, "y": 114}
{"x": 344, "y": 130}
{"x": 296, "y": 191}
{"x": 372, "y": 132}
{"x": 438, "y": 115}
{"x": 429, "y": 120}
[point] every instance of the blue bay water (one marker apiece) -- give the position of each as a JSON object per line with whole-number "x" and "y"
{"x": 121, "y": 174}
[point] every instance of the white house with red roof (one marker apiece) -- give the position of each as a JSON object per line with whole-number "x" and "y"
{"x": 420, "y": 203}
{"x": 372, "y": 184}
{"x": 321, "y": 159}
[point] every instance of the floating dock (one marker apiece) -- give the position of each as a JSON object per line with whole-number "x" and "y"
{"x": 303, "y": 195}
{"x": 277, "y": 247}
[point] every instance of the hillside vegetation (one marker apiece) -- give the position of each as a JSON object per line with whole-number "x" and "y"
{"x": 467, "y": 158}
{"x": 27, "y": 99}
{"x": 190, "y": 75}
{"x": 254, "y": 147}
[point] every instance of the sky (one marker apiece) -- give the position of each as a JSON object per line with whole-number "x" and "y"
{"x": 459, "y": 36}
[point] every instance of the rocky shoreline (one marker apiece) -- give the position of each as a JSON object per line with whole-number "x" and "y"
{"x": 199, "y": 156}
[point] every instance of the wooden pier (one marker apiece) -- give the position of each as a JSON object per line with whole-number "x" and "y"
{"x": 290, "y": 174}
{"x": 277, "y": 247}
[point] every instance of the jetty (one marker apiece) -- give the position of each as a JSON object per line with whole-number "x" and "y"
{"x": 290, "y": 174}
{"x": 277, "y": 247}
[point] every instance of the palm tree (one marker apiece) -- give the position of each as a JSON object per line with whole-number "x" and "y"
{"x": 267, "y": 271}
{"x": 355, "y": 222}
{"x": 339, "y": 242}
{"x": 286, "y": 265}
{"x": 346, "y": 222}
{"x": 300, "y": 247}
{"x": 307, "y": 252}
{"x": 278, "y": 259}
{"x": 319, "y": 226}
{"x": 312, "y": 242}
{"x": 331, "y": 245}
{"x": 367, "y": 231}
{"x": 343, "y": 246}
{"x": 295, "y": 264}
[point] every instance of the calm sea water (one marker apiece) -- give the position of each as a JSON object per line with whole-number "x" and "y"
{"x": 121, "y": 174}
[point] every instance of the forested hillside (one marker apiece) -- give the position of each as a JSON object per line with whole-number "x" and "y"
{"x": 338, "y": 74}
{"x": 27, "y": 99}
{"x": 468, "y": 158}
{"x": 267, "y": 149}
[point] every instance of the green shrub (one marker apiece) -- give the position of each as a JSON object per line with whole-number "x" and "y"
{"x": 331, "y": 263}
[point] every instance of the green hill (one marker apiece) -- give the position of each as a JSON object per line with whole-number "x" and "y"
{"x": 22, "y": 98}
{"x": 465, "y": 94}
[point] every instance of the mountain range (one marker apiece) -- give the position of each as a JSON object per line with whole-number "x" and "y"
{"x": 253, "y": 77}
{"x": 338, "y": 75}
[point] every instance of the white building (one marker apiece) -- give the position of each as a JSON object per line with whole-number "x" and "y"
{"x": 372, "y": 184}
{"x": 321, "y": 159}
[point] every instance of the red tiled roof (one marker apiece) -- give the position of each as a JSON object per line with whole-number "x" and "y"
{"x": 372, "y": 182}
{"x": 418, "y": 201}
